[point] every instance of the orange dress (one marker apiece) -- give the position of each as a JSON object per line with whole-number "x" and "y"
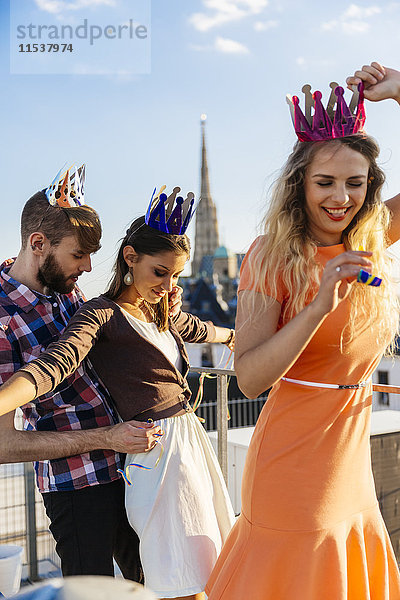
{"x": 310, "y": 527}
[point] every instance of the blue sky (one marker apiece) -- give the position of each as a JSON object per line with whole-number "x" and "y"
{"x": 232, "y": 59}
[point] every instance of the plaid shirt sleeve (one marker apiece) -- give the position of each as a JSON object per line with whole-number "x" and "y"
{"x": 9, "y": 359}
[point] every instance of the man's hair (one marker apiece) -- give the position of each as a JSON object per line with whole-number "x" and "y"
{"x": 57, "y": 223}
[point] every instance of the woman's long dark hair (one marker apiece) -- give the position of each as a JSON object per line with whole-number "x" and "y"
{"x": 150, "y": 241}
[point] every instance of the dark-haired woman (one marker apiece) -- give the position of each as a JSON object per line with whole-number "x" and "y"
{"x": 178, "y": 502}
{"x": 310, "y": 526}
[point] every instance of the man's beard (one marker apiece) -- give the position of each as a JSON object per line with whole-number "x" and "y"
{"x": 51, "y": 276}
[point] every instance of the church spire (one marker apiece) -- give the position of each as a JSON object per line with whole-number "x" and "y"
{"x": 205, "y": 182}
{"x": 206, "y": 237}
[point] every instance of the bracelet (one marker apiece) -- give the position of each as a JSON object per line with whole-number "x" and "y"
{"x": 230, "y": 338}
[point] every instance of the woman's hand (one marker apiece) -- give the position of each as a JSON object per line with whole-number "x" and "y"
{"x": 338, "y": 276}
{"x": 175, "y": 301}
{"x": 380, "y": 83}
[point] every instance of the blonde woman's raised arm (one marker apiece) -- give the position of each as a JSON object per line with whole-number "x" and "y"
{"x": 381, "y": 83}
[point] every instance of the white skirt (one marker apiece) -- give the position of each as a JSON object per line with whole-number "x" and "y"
{"x": 180, "y": 509}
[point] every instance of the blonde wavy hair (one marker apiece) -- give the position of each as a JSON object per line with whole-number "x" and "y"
{"x": 286, "y": 252}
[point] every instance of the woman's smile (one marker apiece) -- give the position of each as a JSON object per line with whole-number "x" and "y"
{"x": 336, "y": 214}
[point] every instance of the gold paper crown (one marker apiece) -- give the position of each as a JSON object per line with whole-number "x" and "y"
{"x": 67, "y": 188}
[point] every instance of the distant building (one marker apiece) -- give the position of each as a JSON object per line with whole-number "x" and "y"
{"x": 207, "y": 236}
{"x": 388, "y": 373}
{"x": 210, "y": 292}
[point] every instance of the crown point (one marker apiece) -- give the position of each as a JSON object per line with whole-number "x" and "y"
{"x": 317, "y": 95}
{"x": 295, "y": 100}
{"x": 339, "y": 91}
{"x": 306, "y": 88}
{"x": 171, "y": 214}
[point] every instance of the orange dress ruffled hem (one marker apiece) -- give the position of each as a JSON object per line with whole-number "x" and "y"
{"x": 352, "y": 560}
{"x": 310, "y": 527}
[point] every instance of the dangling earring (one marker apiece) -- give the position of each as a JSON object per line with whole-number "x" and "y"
{"x": 128, "y": 279}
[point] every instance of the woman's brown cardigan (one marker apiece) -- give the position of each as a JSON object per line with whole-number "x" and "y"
{"x": 141, "y": 380}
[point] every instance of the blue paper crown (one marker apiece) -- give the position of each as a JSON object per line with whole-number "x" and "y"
{"x": 170, "y": 214}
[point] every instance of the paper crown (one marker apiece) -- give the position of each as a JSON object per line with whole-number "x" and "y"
{"x": 67, "y": 188}
{"x": 327, "y": 124}
{"x": 170, "y": 214}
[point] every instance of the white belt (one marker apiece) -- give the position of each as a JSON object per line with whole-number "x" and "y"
{"x": 332, "y": 386}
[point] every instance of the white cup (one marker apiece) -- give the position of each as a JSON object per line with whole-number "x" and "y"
{"x": 10, "y": 569}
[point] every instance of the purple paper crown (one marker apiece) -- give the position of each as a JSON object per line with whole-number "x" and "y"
{"x": 327, "y": 124}
{"x": 170, "y": 214}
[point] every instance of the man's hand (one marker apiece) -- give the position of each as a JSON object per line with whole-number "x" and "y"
{"x": 175, "y": 301}
{"x": 132, "y": 437}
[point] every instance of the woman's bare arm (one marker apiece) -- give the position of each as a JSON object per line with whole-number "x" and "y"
{"x": 381, "y": 83}
{"x": 262, "y": 354}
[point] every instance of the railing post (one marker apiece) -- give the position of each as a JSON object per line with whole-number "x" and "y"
{"x": 222, "y": 423}
{"x": 30, "y": 516}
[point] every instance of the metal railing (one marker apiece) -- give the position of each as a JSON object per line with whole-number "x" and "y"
{"x": 222, "y": 412}
{"x": 23, "y": 521}
{"x": 22, "y": 516}
{"x": 222, "y": 408}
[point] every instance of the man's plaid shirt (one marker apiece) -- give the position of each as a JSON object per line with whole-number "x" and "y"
{"x": 29, "y": 321}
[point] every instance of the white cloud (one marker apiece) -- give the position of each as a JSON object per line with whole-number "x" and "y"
{"x": 58, "y": 6}
{"x": 353, "y": 20}
{"x": 355, "y": 27}
{"x": 225, "y": 11}
{"x": 361, "y": 12}
{"x": 51, "y": 6}
{"x": 228, "y": 46}
{"x": 224, "y": 45}
{"x": 265, "y": 25}
{"x": 312, "y": 62}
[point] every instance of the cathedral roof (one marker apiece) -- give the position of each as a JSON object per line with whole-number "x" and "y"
{"x": 222, "y": 252}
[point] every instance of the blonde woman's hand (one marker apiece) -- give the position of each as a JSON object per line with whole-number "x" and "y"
{"x": 380, "y": 83}
{"x": 338, "y": 277}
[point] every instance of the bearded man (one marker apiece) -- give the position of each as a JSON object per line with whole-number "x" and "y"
{"x": 73, "y": 433}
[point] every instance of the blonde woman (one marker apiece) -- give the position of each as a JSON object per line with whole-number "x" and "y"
{"x": 310, "y": 527}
